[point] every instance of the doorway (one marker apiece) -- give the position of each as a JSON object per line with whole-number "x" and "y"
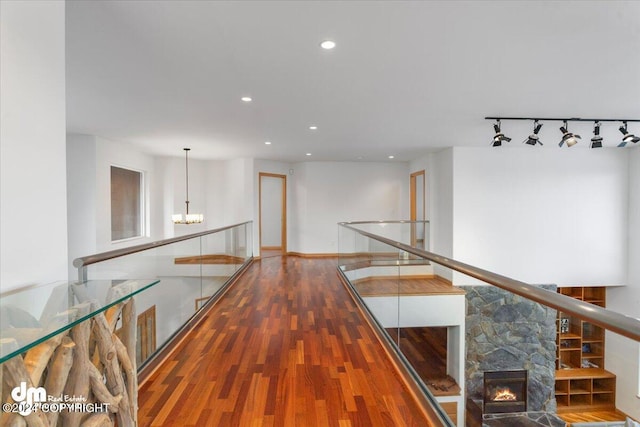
{"x": 273, "y": 214}
{"x": 418, "y": 210}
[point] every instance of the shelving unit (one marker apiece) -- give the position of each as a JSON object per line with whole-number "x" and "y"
{"x": 582, "y": 383}
{"x": 585, "y": 389}
{"x": 580, "y": 343}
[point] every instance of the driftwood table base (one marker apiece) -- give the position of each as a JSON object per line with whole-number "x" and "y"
{"x": 87, "y": 373}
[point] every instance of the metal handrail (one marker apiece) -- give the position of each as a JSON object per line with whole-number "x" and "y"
{"x": 104, "y": 256}
{"x": 611, "y": 320}
{"x": 396, "y": 221}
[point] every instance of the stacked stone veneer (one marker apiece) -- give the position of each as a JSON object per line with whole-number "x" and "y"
{"x": 507, "y": 332}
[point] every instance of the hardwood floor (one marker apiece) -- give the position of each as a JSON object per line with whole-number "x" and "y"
{"x": 394, "y": 285}
{"x": 594, "y": 416}
{"x": 286, "y": 346}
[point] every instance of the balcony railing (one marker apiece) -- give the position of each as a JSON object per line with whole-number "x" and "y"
{"x": 64, "y": 338}
{"x": 448, "y": 329}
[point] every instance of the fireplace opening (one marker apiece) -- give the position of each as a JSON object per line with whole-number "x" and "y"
{"x": 505, "y": 391}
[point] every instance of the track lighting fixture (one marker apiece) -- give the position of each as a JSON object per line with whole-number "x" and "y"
{"x": 628, "y": 136}
{"x": 499, "y": 136}
{"x": 596, "y": 141}
{"x": 569, "y": 138}
{"x": 534, "y": 139}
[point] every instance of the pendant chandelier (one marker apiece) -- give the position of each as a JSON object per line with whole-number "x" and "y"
{"x": 187, "y": 218}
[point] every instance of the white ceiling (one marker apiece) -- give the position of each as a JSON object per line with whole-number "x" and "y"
{"x": 405, "y": 77}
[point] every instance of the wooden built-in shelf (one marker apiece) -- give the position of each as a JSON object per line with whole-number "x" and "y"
{"x": 582, "y": 383}
{"x": 580, "y": 343}
{"x": 585, "y": 389}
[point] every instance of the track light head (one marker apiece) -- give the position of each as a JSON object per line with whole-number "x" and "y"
{"x": 628, "y": 136}
{"x": 499, "y": 136}
{"x": 534, "y": 139}
{"x": 569, "y": 138}
{"x": 596, "y": 141}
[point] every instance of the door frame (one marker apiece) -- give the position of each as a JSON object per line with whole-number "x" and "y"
{"x": 413, "y": 199}
{"x": 283, "y": 219}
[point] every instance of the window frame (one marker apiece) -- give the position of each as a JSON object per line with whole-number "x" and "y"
{"x": 143, "y": 225}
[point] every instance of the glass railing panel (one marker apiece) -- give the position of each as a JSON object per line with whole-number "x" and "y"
{"x": 364, "y": 258}
{"x": 353, "y": 253}
{"x": 238, "y": 248}
{"x": 163, "y": 310}
{"x": 378, "y": 284}
{"x": 431, "y": 331}
{"x": 383, "y": 277}
{"x": 190, "y": 271}
{"x": 223, "y": 254}
{"x": 488, "y": 355}
{"x": 622, "y": 359}
{"x": 413, "y": 233}
{"x": 30, "y": 316}
{"x": 64, "y": 356}
{"x": 125, "y": 306}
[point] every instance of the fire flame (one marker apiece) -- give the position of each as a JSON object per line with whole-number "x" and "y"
{"x": 503, "y": 394}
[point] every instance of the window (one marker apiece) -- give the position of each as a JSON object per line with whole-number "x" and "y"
{"x": 127, "y": 203}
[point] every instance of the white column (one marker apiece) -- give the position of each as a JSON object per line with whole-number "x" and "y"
{"x": 33, "y": 205}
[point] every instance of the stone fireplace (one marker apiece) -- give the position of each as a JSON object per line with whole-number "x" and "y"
{"x": 505, "y": 392}
{"x": 506, "y": 332}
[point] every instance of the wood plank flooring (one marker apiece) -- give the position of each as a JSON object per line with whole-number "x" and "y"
{"x": 405, "y": 286}
{"x": 286, "y": 346}
{"x": 594, "y": 416}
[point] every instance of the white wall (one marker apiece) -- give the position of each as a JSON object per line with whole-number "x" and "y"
{"x": 623, "y": 354}
{"x": 326, "y": 193}
{"x": 221, "y": 190}
{"x": 33, "y": 208}
{"x": 81, "y": 197}
{"x": 542, "y": 216}
{"x": 237, "y": 203}
{"x": 89, "y": 196}
{"x": 440, "y": 182}
{"x": 164, "y": 196}
{"x": 632, "y": 298}
{"x": 214, "y": 193}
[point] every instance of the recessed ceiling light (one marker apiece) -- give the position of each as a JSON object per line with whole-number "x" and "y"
{"x": 328, "y": 44}
{"x": 267, "y": 142}
{"x": 391, "y": 157}
{"x": 246, "y": 99}
{"x": 308, "y": 154}
{"x": 313, "y": 127}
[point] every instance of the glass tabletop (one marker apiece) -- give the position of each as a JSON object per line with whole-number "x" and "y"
{"x": 32, "y": 315}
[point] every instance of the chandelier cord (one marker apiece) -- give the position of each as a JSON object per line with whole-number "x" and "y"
{"x": 186, "y": 157}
